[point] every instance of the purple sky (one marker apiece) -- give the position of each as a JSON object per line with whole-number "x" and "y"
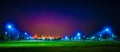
{"x": 53, "y": 23}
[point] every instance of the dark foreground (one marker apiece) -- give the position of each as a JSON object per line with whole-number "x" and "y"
{"x": 61, "y": 49}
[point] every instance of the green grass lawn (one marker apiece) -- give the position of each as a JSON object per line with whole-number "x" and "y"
{"x": 56, "y": 43}
{"x": 58, "y": 46}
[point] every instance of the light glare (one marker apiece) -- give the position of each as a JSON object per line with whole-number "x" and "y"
{"x": 9, "y": 26}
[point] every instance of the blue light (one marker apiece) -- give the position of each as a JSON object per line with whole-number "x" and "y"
{"x": 78, "y": 34}
{"x": 31, "y": 37}
{"x": 107, "y": 29}
{"x": 66, "y": 37}
{"x": 78, "y": 37}
{"x": 27, "y": 38}
{"x": 9, "y": 26}
{"x": 75, "y": 38}
{"x": 100, "y": 35}
{"x": 25, "y": 33}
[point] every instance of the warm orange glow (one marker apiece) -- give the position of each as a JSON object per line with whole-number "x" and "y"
{"x": 45, "y": 37}
{"x": 35, "y": 36}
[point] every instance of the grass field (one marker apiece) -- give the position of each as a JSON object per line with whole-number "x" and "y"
{"x": 60, "y": 46}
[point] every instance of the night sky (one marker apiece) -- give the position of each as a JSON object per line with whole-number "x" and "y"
{"x": 61, "y": 17}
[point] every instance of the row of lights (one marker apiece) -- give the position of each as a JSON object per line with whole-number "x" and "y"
{"x": 77, "y": 37}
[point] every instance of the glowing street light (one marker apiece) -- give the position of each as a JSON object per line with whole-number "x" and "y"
{"x": 106, "y": 29}
{"x": 9, "y": 26}
{"x": 66, "y": 38}
{"x": 26, "y": 33}
{"x": 78, "y": 34}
